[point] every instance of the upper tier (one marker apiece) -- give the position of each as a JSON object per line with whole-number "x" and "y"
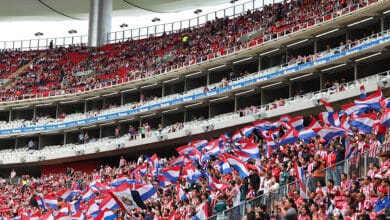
{"x": 115, "y": 67}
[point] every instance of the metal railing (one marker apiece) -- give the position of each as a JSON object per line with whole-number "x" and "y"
{"x": 357, "y": 163}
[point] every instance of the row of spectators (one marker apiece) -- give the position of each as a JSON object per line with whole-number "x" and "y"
{"x": 77, "y": 69}
{"x": 230, "y": 169}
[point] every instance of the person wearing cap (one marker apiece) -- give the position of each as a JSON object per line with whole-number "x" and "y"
{"x": 383, "y": 200}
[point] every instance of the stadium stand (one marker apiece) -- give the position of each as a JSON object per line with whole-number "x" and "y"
{"x": 259, "y": 169}
{"x": 334, "y": 165}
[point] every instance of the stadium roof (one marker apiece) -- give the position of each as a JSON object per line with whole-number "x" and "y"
{"x": 60, "y": 10}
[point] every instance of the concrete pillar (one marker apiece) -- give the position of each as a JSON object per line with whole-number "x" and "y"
{"x": 162, "y": 120}
{"x": 347, "y": 34}
{"x": 290, "y": 92}
{"x": 209, "y": 110}
{"x": 100, "y": 132}
{"x": 10, "y": 116}
{"x": 40, "y": 142}
{"x": 382, "y": 23}
{"x": 57, "y": 110}
{"x": 16, "y": 142}
{"x": 208, "y": 78}
{"x": 35, "y": 112}
{"x": 235, "y": 103}
{"x": 261, "y": 97}
{"x": 355, "y": 71}
{"x": 185, "y": 84}
{"x": 315, "y": 42}
{"x": 163, "y": 90}
{"x": 65, "y": 138}
{"x": 85, "y": 106}
{"x": 122, "y": 99}
{"x": 99, "y": 22}
{"x": 259, "y": 64}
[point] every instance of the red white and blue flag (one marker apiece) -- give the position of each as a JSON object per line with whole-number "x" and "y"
{"x": 180, "y": 194}
{"x": 290, "y": 137}
{"x": 327, "y": 105}
{"x": 237, "y": 164}
{"x": 301, "y": 181}
{"x": 106, "y": 215}
{"x": 330, "y": 118}
{"x": 308, "y": 132}
{"x": 364, "y": 123}
{"x": 385, "y": 119}
{"x": 372, "y": 100}
{"x": 126, "y": 198}
{"x": 329, "y": 132}
{"x": 352, "y": 109}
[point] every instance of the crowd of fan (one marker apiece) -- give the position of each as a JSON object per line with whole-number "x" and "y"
{"x": 342, "y": 191}
{"x": 67, "y": 69}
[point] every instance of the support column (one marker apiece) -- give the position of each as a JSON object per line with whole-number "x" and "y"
{"x": 261, "y": 97}
{"x": 347, "y": 35}
{"x": 99, "y": 22}
{"x": 10, "y": 116}
{"x": 162, "y": 120}
{"x": 57, "y": 110}
{"x": 65, "y": 138}
{"x": 235, "y": 103}
{"x": 315, "y": 45}
{"x": 122, "y": 98}
{"x": 35, "y": 112}
{"x": 355, "y": 71}
{"x": 382, "y": 23}
{"x": 40, "y": 142}
{"x": 163, "y": 90}
{"x": 100, "y": 132}
{"x": 207, "y": 77}
{"x": 290, "y": 89}
{"x": 16, "y": 142}
{"x": 85, "y": 106}
{"x": 209, "y": 110}
{"x": 259, "y": 64}
{"x": 321, "y": 80}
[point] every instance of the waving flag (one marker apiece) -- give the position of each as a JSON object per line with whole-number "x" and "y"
{"x": 297, "y": 123}
{"x": 372, "y": 100}
{"x": 185, "y": 149}
{"x": 237, "y": 164}
{"x": 285, "y": 118}
{"x": 327, "y": 105}
{"x": 330, "y": 118}
{"x": 50, "y": 201}
{"x": 178, "y": 161}
{"x": 251, "y": 149}
{"x": 329, "y": 132}
{"x": 266, "y": 125}
{"x": 212, "y": 148}
{"x": 67, "y": 195}
{"x": 118, "y": 181}
{"x": 74, "y": 206}
{"x": 171, "y": 173}
{"x": 163, "y": 181}
{"x": 78, "y": 216}
{"x": 201, "y": 212}
{"x": 290, "y": 137}
{"x": 308, "y": 133}
{"x": 241, "y": 155}
{"x": 106, "y": 215}
{"x": 364, "y": 122}
{"x": 214, "y": 184}
{"x": 225, "y": 167}
{"x": 88, "y": 195}
{"x": 247, "y": 130}
{"x": 385, "y": 119}
{"x": 199, "y": 144}
{"x": 126, "y": 198}
{"x": 237, "y": 136}
{"x": 192, "y": 173}
{"x": 180, "y": 194}
{"x": 385, "y": 103}
{"x": 145, "y": 190}
{"x": 108, "y": 203}
{"x": 301, "y": 181}
{"x": 352, "y": 109}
